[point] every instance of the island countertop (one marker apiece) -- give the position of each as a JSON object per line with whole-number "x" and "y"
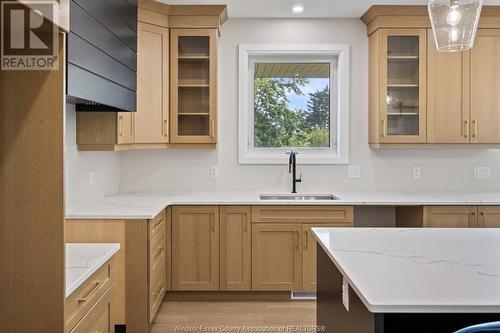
{"x": 418, "y": 270}
{"x": 83, "y": 260}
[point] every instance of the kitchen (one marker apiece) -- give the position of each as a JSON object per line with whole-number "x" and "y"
{"x": 194, "y": 210}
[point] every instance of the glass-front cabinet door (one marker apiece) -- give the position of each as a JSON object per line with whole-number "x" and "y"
{"x": 193, "y": 85}
{"x": 403, "y": 86}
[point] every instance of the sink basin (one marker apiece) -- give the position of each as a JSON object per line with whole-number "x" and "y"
{"x": 298, "y": 197}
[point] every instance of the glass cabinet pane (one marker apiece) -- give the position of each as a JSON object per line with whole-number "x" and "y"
{"x": 194, "y": 86}
{"x": 194, "y": 46}
{"x": 403, "y": 66}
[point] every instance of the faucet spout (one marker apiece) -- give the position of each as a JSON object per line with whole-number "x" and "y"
{"x": 292, "y": 168}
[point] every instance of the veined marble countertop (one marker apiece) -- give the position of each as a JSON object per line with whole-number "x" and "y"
{"x": 418, "y": 270}
{"x": 146, "y": 205}
{"x": 83, "y": 260}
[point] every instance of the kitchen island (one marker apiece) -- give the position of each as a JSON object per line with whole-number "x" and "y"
{"x": 407, "y": 280}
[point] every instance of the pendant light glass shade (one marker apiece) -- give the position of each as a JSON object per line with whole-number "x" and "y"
{"x": 454, "y": 23}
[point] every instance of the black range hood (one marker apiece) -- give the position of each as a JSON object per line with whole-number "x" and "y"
{"x": 102, "y": 55}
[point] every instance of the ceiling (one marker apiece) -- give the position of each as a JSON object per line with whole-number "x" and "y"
{"x": 312, "y": 8}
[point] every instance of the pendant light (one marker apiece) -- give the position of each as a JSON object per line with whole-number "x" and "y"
{"x": 454, "y": 23}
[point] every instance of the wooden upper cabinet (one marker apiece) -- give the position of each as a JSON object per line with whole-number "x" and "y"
{"x": 193, "y": 82}
{"x": 485, "y": 87}
{"x": 195, "y": 248}
{"x": 450, "y": 216}
{"x": 235, "y": 248}
{"x": 276, "y": 257}
{"x": 447, "y": 95}
{"x": 152, "y": 116}
{"x": 398, "y": 101}
{"x": 489, "y": 217}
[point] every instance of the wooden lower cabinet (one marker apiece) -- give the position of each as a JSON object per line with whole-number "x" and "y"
{"x": 276, "y": 257}
{"x": 450, "y": 216}
{"x": 88, "y": 308}
{"x": 141, "y": 267}
{"x": 195, "y": 248}
{"x": 235, "y": 248}
{"x": 98, "y": 318}
{"x": 489, "y": 216}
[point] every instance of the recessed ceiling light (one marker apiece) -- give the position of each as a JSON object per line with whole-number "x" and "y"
{"x": 298, "y": 9}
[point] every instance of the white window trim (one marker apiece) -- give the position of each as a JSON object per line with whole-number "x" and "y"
{"x": 247, "y": 155}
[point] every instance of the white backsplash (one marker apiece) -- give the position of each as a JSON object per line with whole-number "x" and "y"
{"x": 189, "y": 170}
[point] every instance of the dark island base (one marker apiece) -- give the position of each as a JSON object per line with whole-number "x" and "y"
{"x": 332, "y": 314}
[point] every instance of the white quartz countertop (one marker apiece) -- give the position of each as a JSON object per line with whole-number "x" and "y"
{"x": 146, "y": 205}
{"x": 418, "y": 270}
{"x": 83, "y": 260}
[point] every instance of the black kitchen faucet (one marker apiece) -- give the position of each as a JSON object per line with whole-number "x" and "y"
{"x": 292, "y": 168}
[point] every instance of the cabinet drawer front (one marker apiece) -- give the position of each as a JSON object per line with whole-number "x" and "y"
{"x": 302, "y": 214}
{"x": 156, "y": 224}
{"x": 157, "y": 248}
{"x": 157, "y": 287}
{"x": 98, "y": 318}
{"x": 86, "y": 296}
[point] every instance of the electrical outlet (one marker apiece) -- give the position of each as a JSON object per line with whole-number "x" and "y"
{"x": 482, "y": 173}
{"x": 416, "y": 172}
{"x": 91, "y": 179}
{"x": 354, "y": 171}
{"x": 214, "y": 172}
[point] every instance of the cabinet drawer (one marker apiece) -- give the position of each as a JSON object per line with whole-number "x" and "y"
{"x": 86, "y": 296}
{"x": 302, "y": 214}
{"x": 157, "y": 287}
{"x": 98, "y": 319}
{"x": 157, "y": 248}
{"x": 156, "y": 224}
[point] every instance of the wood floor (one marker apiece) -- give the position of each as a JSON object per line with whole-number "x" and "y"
{"x": 229, "y": 316}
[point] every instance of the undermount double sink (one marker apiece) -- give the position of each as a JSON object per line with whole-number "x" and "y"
{"x": 298, "y": 197}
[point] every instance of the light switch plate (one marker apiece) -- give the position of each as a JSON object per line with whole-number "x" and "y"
{"x": 354, "y": 171}
{"x": 482, "y": 173}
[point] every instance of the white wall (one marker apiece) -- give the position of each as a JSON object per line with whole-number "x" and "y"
{"x": 104, "y": 165}
{"x": 381, "y": 170}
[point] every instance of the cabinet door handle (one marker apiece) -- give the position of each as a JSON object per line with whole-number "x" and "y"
{"x": 165, "y": 128}
{"x": 466, "y": 129}
{"x": 384, "y": 128}
{"x": 158, "y": 290}
{"x": 157, "y": 224}
{"x": 92, "y": 292}
{"x": 120, "y": 125}
{"x": 306, "y": 240}
{"x": 159, "y": 252}
{"x": 483, "y": 216}
{"x": 473, "y": 224}
{"x": 474, "y": 128}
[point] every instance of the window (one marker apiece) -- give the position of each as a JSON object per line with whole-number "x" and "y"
{"x": 293, "y": 97}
